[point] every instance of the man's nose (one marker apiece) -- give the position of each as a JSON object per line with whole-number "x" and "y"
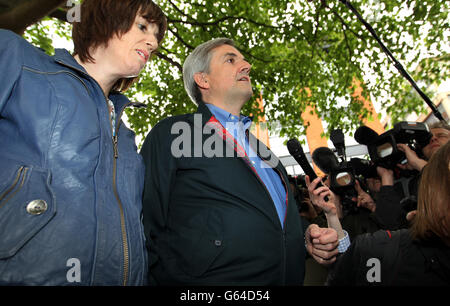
{"x": 246, "y": 67}
{"x": 432, "y": 139}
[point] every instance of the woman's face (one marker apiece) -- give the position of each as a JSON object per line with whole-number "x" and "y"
{"x": 129, "y": 53}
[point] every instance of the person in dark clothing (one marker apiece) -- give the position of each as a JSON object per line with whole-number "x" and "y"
{"x": 217, "y": 206}
{"x": 396, "y": 198}
{"x": 419, "y": 255}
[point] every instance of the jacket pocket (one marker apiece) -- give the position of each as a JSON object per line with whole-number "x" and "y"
{"x": 27, "y": 204}
{"x": 200, "y": 248}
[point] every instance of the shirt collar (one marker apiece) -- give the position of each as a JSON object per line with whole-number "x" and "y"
{"x": 223, "y": 116}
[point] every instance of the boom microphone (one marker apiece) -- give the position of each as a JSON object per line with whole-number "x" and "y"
{"x": 325, "y": 159}
{"x": 365, "y": 135}
{"x": 296, "y": 150}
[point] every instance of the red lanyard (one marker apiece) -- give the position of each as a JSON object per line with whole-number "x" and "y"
{"x": 231, "y": 141}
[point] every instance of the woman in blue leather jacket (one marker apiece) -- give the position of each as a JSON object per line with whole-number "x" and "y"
{"x": 71, "y": 180}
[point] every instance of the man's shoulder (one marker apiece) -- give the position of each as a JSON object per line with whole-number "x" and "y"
{"x": 168, "y": 122}
{"x": 167, "y": 127}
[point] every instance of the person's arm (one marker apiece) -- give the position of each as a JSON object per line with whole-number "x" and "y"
{"x": 364, "y": 199}
{"x": 343, "y": 272}
{"x": 11, "y": 61}
{"x": 159, "y": 172}
{"x": 317, "y": 197}
{"x": 388, "y": 213}
{"x": 414, "y": 162}
{"x": 321, "y": 244}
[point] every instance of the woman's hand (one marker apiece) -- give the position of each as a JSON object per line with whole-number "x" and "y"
{"x": 317, "y": 196}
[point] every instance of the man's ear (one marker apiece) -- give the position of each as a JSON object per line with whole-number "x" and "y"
{"x": 201, "y": 80}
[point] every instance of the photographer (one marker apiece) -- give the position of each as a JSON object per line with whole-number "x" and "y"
{"x": 387, "y": 201}
{"x": 416, "y": 256}
{"x": 441, "y": 135}
{"x": 355, "y": 207}
{"x": 362, "y": 217}
{"x": 396, "y": 199}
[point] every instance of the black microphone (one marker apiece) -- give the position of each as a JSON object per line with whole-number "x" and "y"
{"x": 325, "y": 159}
{"x": 365, "y": 135}
{"x": 296, "y": 150}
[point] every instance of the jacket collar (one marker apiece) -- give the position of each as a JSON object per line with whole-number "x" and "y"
{"x": 63, "y": 57}
{"x": 273, "y": 160}
{"x": 205, "y": 112}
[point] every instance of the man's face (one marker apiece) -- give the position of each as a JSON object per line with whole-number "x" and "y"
{"x": 228, "y": 77}
{"x": 440, "y": 137}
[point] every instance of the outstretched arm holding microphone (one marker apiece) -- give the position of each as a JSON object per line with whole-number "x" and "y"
{"x": 319, "y": 196}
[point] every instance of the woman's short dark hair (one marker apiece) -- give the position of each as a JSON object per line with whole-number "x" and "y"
{"x": 101, "y": 20}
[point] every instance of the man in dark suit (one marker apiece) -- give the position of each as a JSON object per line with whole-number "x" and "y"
{"x": 217, "y": 206}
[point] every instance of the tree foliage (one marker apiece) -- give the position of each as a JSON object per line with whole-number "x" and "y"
{"x": 302, "y": 53}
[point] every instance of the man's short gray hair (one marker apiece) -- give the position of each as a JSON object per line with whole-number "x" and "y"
{"x": 439, "y": 125}
{"x": 199, "y": 61}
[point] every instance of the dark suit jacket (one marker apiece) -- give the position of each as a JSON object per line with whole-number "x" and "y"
{"x": 211, "y": 220}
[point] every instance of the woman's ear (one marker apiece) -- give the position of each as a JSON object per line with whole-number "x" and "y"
{"x": 201, "y": 79}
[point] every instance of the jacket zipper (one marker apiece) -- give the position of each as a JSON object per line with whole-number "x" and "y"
{"x": 126, "y": 258}
{"x": 116, "y": 155}
{"x": 283, "y": 229}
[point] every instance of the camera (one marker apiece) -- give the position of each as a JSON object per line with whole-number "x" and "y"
{"x": 341, "y": 173}
{"x": 383, "y": 149}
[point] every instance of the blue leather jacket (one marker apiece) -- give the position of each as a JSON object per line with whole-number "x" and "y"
{"x": 70, "y": 191}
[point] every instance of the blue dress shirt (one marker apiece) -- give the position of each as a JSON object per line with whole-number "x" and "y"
{"x": 237, "y": 127}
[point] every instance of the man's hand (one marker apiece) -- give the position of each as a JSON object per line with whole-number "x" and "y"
{"x": 414, "y": 162}
{"x": 321, "y": 244}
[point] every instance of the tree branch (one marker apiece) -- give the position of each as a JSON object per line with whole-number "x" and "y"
{"x": 168, "y": 59}
{"x": 181, "y": 39}
{"x": 216, "y": 22}
{"x": 179, "y": 10}
{"x": 60, "y": 14}
{"x": 339, "y": 17}
{"x": 27, "y": 13}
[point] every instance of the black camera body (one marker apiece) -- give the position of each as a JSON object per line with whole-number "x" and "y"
{"x": 342, "y": 178}
{"x": 341, "y": 173}
{"x": 342, "y": 183}
{"x": 383, "y": 149}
